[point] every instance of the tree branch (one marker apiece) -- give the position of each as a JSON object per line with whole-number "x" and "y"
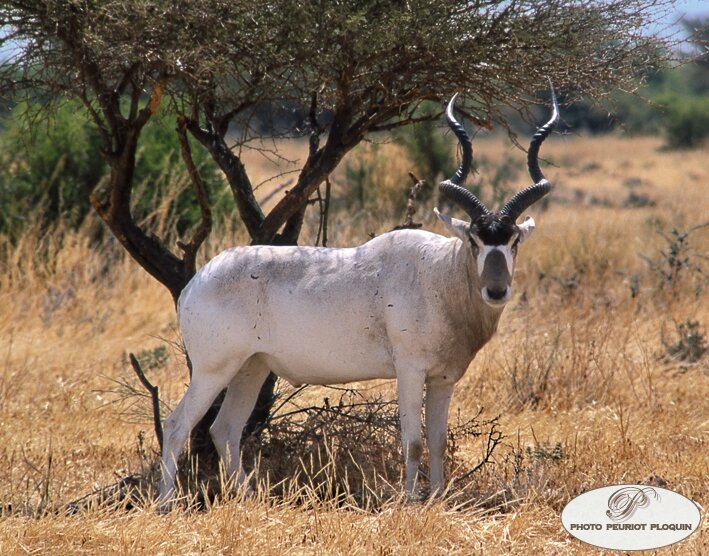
{"x": 205, "y": 226}
{"x": 317, "y": 167}
{"x": 235, "y": 173}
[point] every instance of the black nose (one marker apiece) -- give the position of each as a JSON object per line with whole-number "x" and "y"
{"x": 496, "y": 294}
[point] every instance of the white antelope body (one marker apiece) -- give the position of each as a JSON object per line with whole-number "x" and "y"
{"x": 409, "y": 305}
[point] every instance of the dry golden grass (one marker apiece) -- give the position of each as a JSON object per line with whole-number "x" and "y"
{"x": 579, "y": 373}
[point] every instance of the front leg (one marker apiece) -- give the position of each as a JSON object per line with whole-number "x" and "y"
{"x": 438, "y": 398}
{"x": 410, "y": 389}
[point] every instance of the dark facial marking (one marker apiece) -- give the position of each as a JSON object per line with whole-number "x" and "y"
{"x": 493, "y": 230}
{"x": 496, "y": 276}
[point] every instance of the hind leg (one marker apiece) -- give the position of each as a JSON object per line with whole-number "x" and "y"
{"x": 238, "y": 404}
{"x": 202, "y": 391}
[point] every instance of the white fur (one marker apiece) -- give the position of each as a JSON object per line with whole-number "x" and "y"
{"x": 525, "y": 229}
{"x": 406, "y": 305}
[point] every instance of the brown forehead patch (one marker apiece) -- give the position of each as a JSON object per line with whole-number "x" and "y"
{"x": 492, "y": 229}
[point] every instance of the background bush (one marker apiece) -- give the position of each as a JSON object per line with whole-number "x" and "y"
{"x": 686, "y": 121}
{"x": 47, "y": 175}
{"x": 47, "y": 172}
{"x": 671, "y": 102}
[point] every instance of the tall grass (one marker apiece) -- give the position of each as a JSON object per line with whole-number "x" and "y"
{"x": 586, "y": 373}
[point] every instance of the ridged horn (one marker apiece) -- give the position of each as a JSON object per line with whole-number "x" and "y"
{"x": 451, "y": 187}
{"x": 465, "y": 143}
{"x": 530, "y": 195}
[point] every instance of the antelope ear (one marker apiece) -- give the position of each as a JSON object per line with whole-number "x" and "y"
{"x": 525, "y": 229}
{"x": 459, "y": 228}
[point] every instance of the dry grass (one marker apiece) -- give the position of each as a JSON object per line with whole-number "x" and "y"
{"x": 582, "y": 374}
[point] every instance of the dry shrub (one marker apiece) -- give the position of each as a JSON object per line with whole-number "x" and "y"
{"x": 346, "y": 453}
{"x": 347, "y": 449}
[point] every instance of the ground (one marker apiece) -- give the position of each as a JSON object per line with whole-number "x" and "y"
{"x": 598, "y": 376}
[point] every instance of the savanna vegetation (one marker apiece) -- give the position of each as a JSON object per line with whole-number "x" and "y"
{"x": 220, "y": 69}
{"x": 598, "y": 374}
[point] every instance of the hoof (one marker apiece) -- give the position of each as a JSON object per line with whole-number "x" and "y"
{"x": 414, "y": 497}
{"x": 438, "y": 492}
{"x": 165, "y": 505}
{"x": 165, "y": 508}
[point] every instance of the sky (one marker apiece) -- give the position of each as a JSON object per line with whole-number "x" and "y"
{"x": 671, "y": 26}
{"x": 690, "y": 9}
{"x": 693, "y": 7}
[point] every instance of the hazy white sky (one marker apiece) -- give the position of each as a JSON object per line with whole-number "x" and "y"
{"x": 690, "y": 8}
{"x": 693, "y": 7}
{"x": 683, "y": 8}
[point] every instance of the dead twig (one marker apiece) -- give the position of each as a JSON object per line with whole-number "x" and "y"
{"x": 127, "y": 493}
{"x": 154, "y": 394}
{"x": 410, "y": 206}
{"x": 324, "y": 203}
{"x": 278, "y": 189}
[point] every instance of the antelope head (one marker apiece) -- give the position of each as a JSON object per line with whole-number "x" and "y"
{"x": 495, "y": 236}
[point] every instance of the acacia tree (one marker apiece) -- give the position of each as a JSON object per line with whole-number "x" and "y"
{"x": 353, "y": 67}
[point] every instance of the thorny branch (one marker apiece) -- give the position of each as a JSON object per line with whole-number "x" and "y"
{"x": 493, "y": 440}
